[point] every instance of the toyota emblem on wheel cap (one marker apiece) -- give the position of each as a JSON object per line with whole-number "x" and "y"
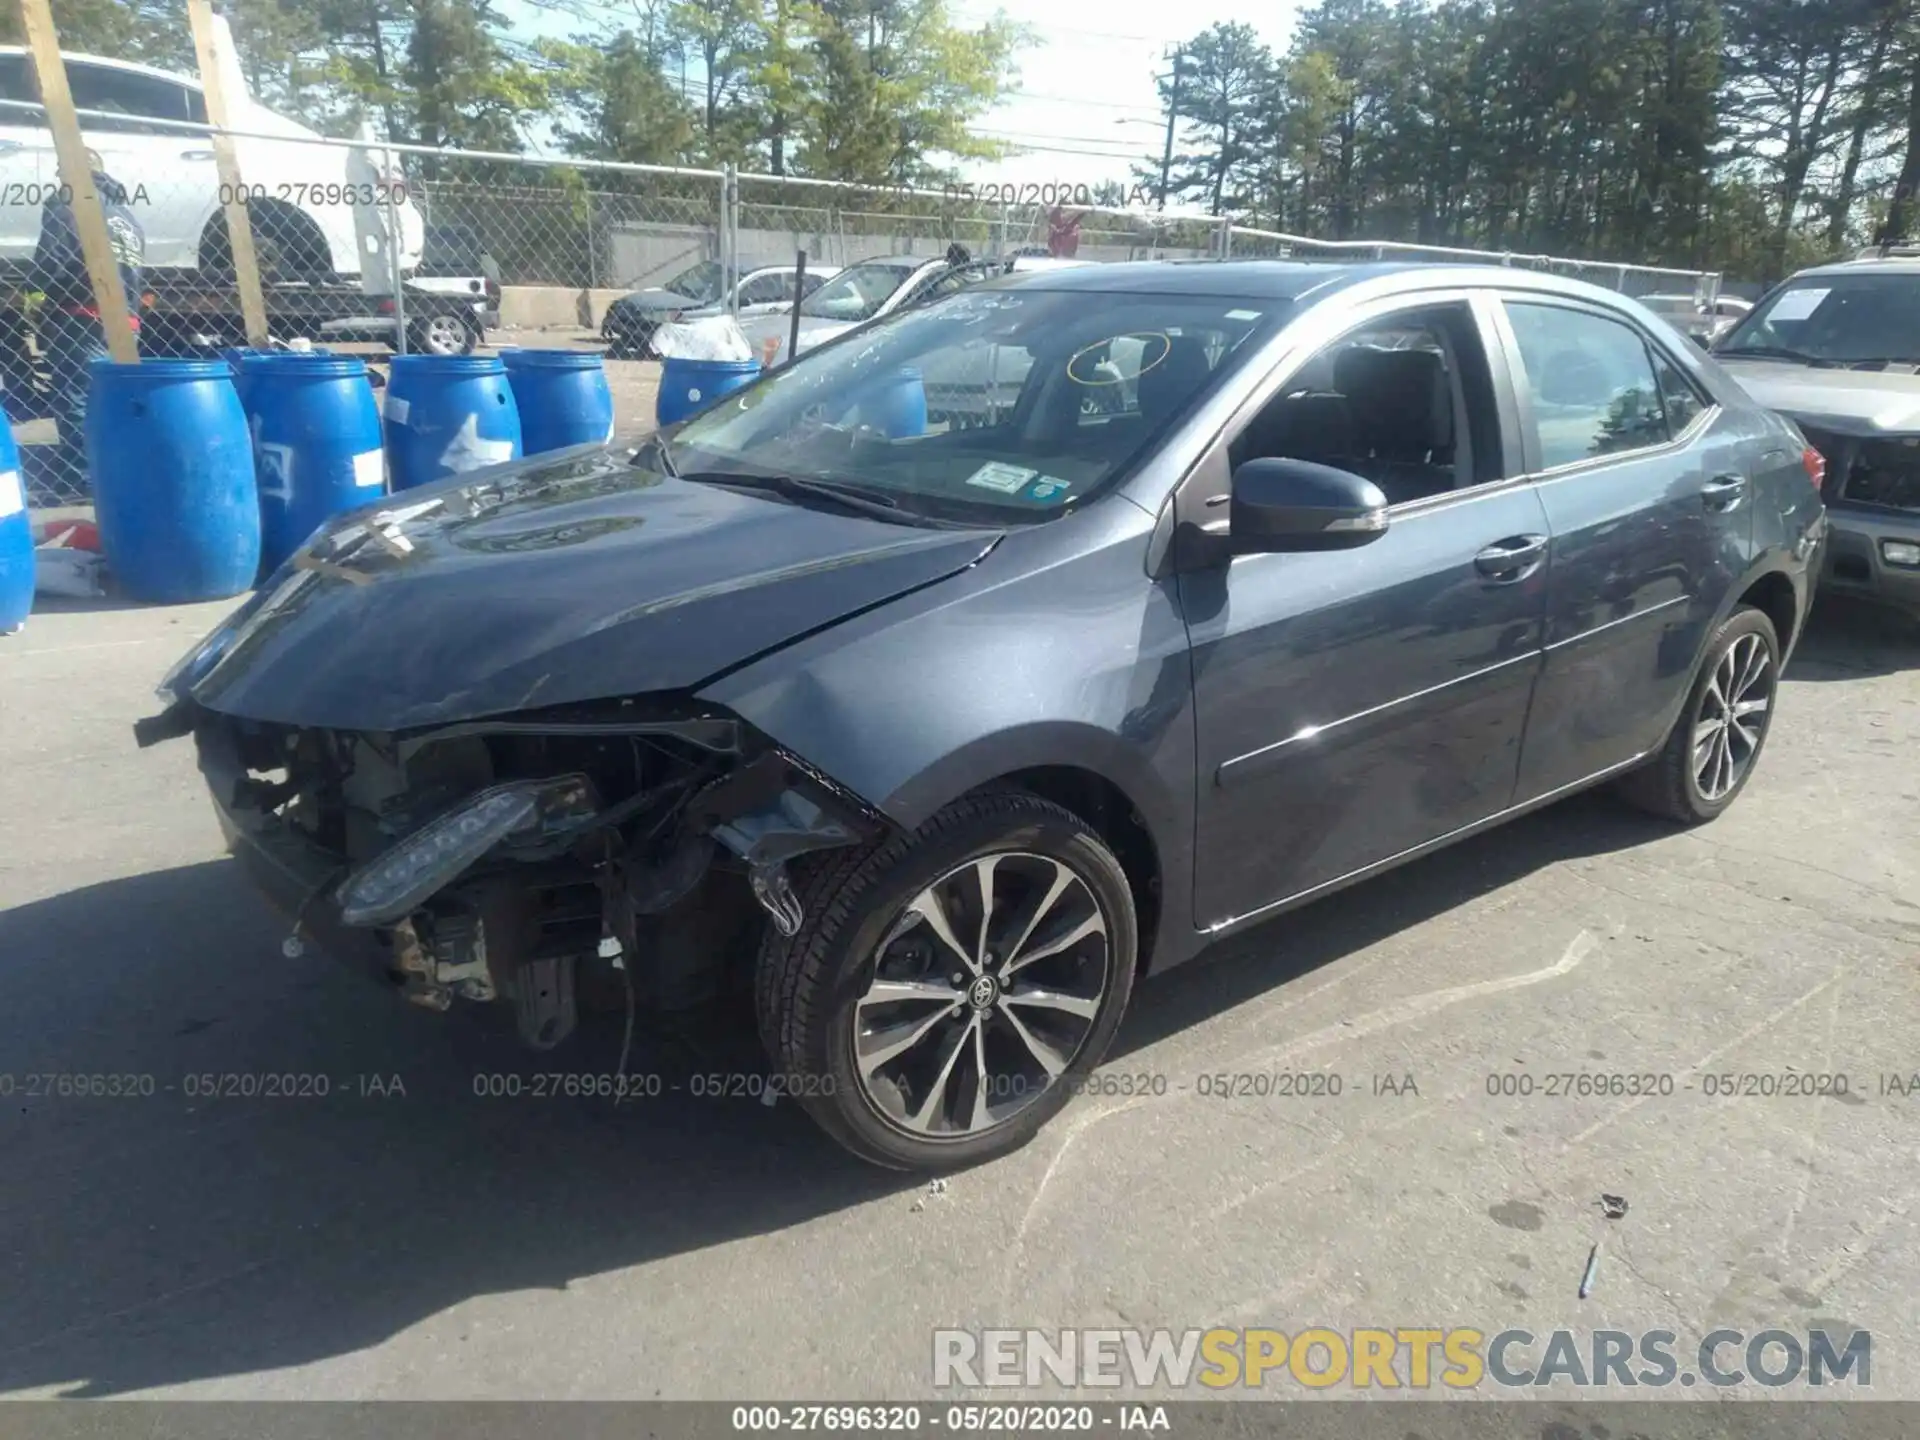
{"x": 983, "y": 992}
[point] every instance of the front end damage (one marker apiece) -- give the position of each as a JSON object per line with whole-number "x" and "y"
{"x": 1872, "y": 492}
{"x": 633, "y": 847}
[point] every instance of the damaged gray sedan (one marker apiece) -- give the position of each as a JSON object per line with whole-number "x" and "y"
{"x": 933, "y": 724}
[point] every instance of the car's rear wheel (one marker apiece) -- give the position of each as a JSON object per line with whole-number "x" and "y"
{"x": 949, "y": 988}
{"x": 1715, "y": 744}
{"x": 443, "y": 335}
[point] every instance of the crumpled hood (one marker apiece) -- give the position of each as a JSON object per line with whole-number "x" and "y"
{"x": 546, "y": 582}
{"x": 1852, "y": 402}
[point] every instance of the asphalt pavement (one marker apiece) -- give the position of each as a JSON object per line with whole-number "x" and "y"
{"x": 404, "y": 1235}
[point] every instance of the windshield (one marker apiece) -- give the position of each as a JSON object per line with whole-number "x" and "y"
{"x": 702, "y": 282}
{"x": 1835, "y": 318}
{"x": 990, "y": 405}
{"x": 858, "y": 292}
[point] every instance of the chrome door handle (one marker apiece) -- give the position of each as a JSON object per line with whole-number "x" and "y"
{"x": 1514, "y": 558}
{"x": 1723, "y": 492}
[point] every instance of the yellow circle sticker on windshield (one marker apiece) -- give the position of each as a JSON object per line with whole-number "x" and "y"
{"x": 1100, "y": 348}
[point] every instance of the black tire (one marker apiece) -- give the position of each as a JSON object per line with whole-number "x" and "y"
{"x": 807, "y": 987}
{"x": 1669, "y": 784}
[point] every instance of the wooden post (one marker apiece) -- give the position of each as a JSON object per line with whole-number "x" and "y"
{"x": 89, "y": 221}
{"x": 246, "y": 268}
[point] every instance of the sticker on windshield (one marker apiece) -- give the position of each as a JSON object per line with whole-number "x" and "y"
{"x": 1797, "y": 304}
{"x": 1045, "y": 487}
{"x": 1005, "y": 478}
{"x": 1243, "y": 315}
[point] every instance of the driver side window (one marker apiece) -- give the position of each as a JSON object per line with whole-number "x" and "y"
{"x": 1405, "y": 401}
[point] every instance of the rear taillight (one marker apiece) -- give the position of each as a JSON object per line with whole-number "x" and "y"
{"x": 1816, "y": 464}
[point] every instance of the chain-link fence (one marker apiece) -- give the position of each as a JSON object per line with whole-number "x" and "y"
{"x": 361, "y": 247}
{"x": 376, "y": 248}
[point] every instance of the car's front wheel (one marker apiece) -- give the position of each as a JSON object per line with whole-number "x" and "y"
{"x": 1711, "y": 752}
{"x": 948, "y": 989}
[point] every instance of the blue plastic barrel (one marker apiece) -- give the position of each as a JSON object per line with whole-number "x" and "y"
{"x": 897, "y": 407}
{"x": 446, "y": 414}
{"x": 16, "y": 536}
{"x": 316, "y": 443}
{"x": 690, "y": 385}
{"x": 562, "y": 397}
{"x": 173, "y": 483}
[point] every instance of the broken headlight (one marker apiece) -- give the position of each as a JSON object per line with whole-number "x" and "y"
{"x": 439, "y": 851}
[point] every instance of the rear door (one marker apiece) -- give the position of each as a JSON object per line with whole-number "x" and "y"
{"x": 1650, "y": 508}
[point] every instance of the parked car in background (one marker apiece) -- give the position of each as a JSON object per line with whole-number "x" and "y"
{"x": 300, "y": 201}
{"x": 868, "y": 291}
{"x": 933, "y": 740}
{"x": 453, "y": 267}
{"x": 1837, "y": 350}
{"x": 1696, "y": 320}
{"x": 697, "y": 293}
{"x": 454, "y": 261}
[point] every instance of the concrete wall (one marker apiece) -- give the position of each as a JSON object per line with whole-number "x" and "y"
{"x": 554, "y": 307}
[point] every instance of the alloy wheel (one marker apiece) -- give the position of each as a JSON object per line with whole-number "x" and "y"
{"x": 983, "y": 992}
{"x": 1733, "y": 717}
{"x": 444, "y": 335}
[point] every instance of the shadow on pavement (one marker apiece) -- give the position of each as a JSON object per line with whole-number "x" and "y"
{"x": 1847, "y": 639}
{"x": 169, "y": 1237}
{"x": 159, "y": 1239}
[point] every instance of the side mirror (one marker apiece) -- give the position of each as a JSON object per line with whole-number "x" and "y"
{"x": 1289, "y": 505}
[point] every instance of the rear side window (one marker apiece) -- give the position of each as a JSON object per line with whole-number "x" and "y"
{"x": 1590, "y": 382}
{"x": 16, "y": 83}
{"x": 765, "y": 289}
{"x": 130, "y": 96}
{"x": 1679, "y": 396}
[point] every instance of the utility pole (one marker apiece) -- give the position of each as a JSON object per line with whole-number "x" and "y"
{"x": 1173, "y": 115}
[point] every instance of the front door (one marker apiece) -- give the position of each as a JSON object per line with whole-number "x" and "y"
{"x": 1353, "y": 705}
{"x": 1649, "y": 507}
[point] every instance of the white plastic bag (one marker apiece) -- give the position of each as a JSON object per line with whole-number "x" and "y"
{"x": 72, "y": 573}
{"x": 717, "y": 338}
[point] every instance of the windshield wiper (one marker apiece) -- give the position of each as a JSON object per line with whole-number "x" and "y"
{"x": 854, "y": 497}
{"x": 1769, "y": 352}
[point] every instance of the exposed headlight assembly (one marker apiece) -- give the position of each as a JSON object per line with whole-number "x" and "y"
{"x": 441, "y": 850}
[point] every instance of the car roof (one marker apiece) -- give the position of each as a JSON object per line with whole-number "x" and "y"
{"x": 131, "y": 66}
{"x": 1272, "y": 280}
{"x": 812, "y": 269}
{"x": 1881, "y": 264}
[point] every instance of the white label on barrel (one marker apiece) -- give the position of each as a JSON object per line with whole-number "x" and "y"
{"x": 11, "y": 501}
{"x": 276, "y": 471}
{"x": 469, "y": 451}
{"x": 396, "y": 410}
{"x": 693, "y": 395}
{"x": 370, "y": 469}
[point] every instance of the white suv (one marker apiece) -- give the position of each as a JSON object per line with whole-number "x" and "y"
{"x": 299, "y": 196}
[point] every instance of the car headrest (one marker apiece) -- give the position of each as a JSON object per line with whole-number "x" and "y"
{"x": 1165, "y": 387}
{"x": 1313, "y": 426}
{"x": 1402, "y": 403}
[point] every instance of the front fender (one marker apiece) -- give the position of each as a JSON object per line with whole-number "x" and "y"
{"x": 1056, "y": 650}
